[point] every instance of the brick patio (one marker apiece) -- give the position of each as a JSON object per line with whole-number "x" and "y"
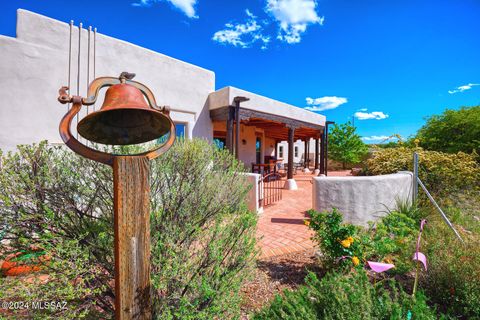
{"x": 281, "y": 227}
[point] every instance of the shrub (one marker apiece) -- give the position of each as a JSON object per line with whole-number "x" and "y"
{"x": 202, "y": 235}
{"x": 346, "y": 296}
{"x": 442, "y": 173}
{"x": 453, "y": 277}
{"x": 338, "y": 242}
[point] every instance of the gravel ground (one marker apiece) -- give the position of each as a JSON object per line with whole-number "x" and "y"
{"x": 272, "y": 276}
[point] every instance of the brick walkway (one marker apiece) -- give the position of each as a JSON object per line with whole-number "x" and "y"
{"x": 281, "y": 228}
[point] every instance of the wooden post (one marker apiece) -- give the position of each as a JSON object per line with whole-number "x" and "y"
{"x": 305, "y": 157}
{"x": 291, "y": 134}
{"x": 237, "y": 128}
{"x": 322, "y": 153}
{"x": 229, "y": 138}
{"x": 132, "y": 237}
{"x": 316, "y": 153}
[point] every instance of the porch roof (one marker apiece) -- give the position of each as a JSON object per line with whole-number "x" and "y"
{"x": 273, "y": 116}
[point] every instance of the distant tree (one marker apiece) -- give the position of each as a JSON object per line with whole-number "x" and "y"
{"x": 452, "y": 131}
{"x": 345, "y": 145}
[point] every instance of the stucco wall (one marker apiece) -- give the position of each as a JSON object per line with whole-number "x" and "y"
{"x": 35, "y": 64}
{"x": 301, "y": 146}
{"x": 362, "y": 199}
{"x": 254, "y": 193}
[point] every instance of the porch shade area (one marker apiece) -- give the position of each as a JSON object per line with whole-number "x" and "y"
{"x": 275, "y": 128}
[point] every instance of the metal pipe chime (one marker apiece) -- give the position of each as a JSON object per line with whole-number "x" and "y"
{"x": 79, "y": 60}
{"x": 129, "y": 115}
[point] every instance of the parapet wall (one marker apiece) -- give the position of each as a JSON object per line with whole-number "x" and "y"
{"x": 362, "y": 199}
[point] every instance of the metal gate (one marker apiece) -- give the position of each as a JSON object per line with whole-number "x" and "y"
{"x": 270, "y": 189}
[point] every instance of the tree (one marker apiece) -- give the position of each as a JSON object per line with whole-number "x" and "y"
{"x": 452, "y": 131}
{"x": 345, "y": 145}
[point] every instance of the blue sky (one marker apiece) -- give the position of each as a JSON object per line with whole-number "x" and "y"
{"x": 386, "y": 63}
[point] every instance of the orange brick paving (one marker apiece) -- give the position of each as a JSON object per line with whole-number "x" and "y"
{"x": 281, "y": 227}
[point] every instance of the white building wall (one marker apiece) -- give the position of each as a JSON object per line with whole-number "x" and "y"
{"x": 34, "y": 65}
{"x": 301, "y": 150}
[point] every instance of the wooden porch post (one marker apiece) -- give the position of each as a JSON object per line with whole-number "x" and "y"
{"x": 322, "y": 153}
{"x": 305, "y": 154}
{"x": 276, "y": 150}
{"x": 237, "y": 128}
{"x": 291, "y": 133}
{"x": 229, "y": 138}
{"x": 316, "y": 153}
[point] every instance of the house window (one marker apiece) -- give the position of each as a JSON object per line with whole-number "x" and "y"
{"x": 296, "y": 152}
{"x": 280, "y": 152}
{"x": 180, "y": 130}
{"x": 258, "y": 149}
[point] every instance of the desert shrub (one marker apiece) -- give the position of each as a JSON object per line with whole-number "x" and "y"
{"x": 392, "y": 240}
{"x": 452, "y": 131}
{"x": 442, "y": 173}
{"x": 346, "y": 296}
{"x": 453, "y": 277}
{"x": 202, "y": 234}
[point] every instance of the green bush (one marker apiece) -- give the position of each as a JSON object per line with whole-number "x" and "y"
{"x": 346, "y": 296}
{"x": 338, "y": 242}
{"x": 452, "y": 131}
{"x": 392, "y": 240}
{"x": 453, "y": 277}
{"x": 442, "y": 173}
{"x": 203, "y": 236}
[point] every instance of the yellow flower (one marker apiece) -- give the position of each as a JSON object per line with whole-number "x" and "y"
{"x": 345, "y": 243}
{"x": 350, "y": 239}
{"x": 355, "y": 261}
{"x": 306, "y": 222}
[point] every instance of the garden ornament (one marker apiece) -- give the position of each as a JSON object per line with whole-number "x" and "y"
{"x": 419, "y": 257}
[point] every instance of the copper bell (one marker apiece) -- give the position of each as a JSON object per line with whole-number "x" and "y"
{"x": 124, "y": 118}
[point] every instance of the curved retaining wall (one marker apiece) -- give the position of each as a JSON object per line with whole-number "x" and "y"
{"x": 362, "y": 199}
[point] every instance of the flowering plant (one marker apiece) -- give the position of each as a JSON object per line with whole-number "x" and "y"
{"x": 339, "y": 243}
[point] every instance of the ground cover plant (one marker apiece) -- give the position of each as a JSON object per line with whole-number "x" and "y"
{"x": 203, "y": 243}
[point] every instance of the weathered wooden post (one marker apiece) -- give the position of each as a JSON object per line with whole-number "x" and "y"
{"x": 124, "y": 119}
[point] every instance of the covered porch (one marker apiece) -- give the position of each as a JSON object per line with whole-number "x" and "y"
{"x": 251, "y": 127}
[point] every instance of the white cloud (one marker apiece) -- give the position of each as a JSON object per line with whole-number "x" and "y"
{"x": 324, "y": 103}
{"x": 463, "y": 88}
{"x": 377, "y": 138}
{"x": 293, "y": 17}
{"x": 242, "y": 35}
{"x": 363, "y": 109}
{"x": 186, "y": 6}
{"x": 377, "y": 115}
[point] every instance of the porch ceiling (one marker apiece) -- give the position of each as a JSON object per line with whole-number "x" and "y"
{"x": 274, "y": 126}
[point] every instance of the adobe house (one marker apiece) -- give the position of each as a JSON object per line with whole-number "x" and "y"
{"x": 34, "y": 64}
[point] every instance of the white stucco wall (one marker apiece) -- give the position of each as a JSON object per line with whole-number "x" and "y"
{"x": 224, "y": 97}
{"x": 301, "y": 149}
{"x": 34, "y": 65}
{"x": 254, "y": 193}
{"x": 362, "y": 199}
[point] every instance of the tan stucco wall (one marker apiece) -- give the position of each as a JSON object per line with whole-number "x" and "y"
{"x": 35, "y": 64}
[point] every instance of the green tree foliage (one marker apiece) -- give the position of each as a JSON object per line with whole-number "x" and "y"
{"x": 202, "y": 235}
{"x": 452, "y": 131}
{"x": 345, "y": 145}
